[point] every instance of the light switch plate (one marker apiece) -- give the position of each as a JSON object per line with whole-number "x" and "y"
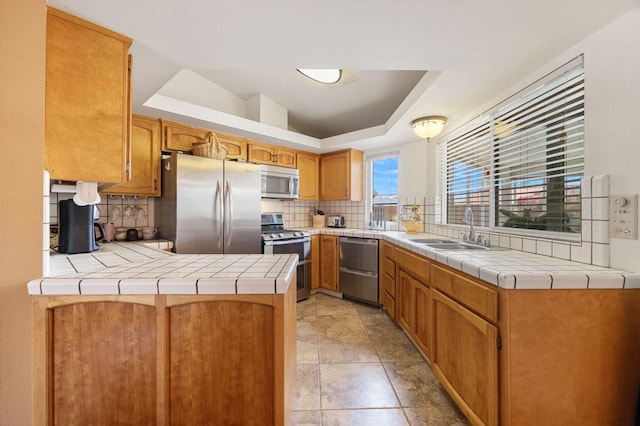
{"x": 623, "y": 216}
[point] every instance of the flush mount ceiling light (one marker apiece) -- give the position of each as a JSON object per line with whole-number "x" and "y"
{"x": 428, "y": 127}
{"x": 326, "y": 76}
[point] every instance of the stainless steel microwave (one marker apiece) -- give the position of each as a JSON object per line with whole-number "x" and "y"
{"x": 280, "y": 182}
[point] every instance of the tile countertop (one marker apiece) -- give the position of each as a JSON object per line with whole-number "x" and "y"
{"x": 510, "y": 269}
{"x": 138, "y": 268}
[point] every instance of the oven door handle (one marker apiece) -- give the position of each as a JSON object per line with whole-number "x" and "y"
{"x": 285, "y": 242}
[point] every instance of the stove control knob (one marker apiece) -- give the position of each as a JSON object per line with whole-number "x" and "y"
{"x": 273, "y": 235}
{"x": 281, "y": 235}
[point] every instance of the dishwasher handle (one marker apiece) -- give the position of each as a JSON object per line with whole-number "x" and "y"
{"x": 357, "y": 272}
{"x": 358, "y": 240}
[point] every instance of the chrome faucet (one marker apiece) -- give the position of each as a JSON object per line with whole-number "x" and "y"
{"x": 468, "y": 219}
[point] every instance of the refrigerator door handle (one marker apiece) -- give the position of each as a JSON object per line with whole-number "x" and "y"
{"x": 218, "y": 213}
{"x": 229, "y": 218}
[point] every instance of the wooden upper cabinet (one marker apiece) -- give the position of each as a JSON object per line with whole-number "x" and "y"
{"x": 236, "y": 145}
{"x": 309, "y": 167}
{"x": 341, "y": 176}
{"x": 271, "y": 154}
{"x": 145, "y": 159}
{"x": 181, "y": 137}
{"x": 87, "y": 100}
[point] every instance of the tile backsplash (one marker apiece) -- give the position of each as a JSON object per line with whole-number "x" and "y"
{"x": 123, "y": 211}
{"x": 298, "y": 214}
{"x": 591, "y": 248}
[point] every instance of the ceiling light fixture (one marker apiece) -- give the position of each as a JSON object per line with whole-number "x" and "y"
{"x": 326, "y": 76}
{"x": 428, "y": 127}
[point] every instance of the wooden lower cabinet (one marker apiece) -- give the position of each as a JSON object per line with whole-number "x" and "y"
{"x": 522, "y": 357}
{"x": 569, "y": 357}
{"x": 465, "y": 359}
{"x": 148, "y": 360}
{"x": 329, "y": 262}
{"x": 215, "y": 371}
{"x": 315, "y": 261}
{"x": 102, "y": 364}
{"x": 413, "y": 310}
{"x": 388, "y": 278}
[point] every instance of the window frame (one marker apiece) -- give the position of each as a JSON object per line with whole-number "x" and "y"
{"x": 389, "y": 224}
{"x": 545, "y": 85}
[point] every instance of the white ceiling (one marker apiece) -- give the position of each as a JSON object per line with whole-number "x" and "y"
{"x": 472, "y": 49}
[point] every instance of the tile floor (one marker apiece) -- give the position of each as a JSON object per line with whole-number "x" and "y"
{"x": 356, "y": 367}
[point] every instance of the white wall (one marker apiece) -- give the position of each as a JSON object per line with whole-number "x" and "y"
{"x": 612, "y": 131}
{"x": 612, "y": 117}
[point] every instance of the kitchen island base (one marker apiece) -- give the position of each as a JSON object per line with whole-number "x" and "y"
{"x": 165, "y": 359}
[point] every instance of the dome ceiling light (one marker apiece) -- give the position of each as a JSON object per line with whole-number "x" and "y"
{"x": 428, "y": 127}
{"x": 326, "y": 76}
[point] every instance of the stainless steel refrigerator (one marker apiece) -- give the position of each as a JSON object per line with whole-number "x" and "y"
{"x": 209, "y": 206}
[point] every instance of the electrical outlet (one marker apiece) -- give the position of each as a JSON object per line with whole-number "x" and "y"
{"x": 623, "y": 216}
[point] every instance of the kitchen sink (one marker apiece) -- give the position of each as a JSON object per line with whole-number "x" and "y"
{"x": 432, "y": 241}
{"x": 454, "y": 245}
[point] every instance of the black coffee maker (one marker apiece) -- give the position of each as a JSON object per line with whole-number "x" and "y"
{"x": 77, "y": 228}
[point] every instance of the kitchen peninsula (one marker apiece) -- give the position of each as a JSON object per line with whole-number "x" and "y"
{"x": 511, "y": 336}
{"x": 143, "y": 336}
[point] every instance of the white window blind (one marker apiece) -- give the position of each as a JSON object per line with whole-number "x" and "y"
{"x": 520, "y": 166}
{"x": 467, "y": 173}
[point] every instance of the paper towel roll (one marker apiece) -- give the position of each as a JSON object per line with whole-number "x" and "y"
{"x": 86, "y": 193}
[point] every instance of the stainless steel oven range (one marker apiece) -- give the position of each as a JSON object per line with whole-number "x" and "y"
{"x": 277, "y": 240}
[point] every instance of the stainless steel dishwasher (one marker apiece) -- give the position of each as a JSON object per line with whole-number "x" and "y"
{"x": 359, "y": 269}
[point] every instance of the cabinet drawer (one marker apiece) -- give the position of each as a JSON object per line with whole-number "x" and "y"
{"x": 388, "y": 303}
{"x": 388, "y": 284}
{"x": 387, "y": 251}
{"x": 475, "y": 296}
{"x": 414, "y": 264}
{"x": 388, "y": 267}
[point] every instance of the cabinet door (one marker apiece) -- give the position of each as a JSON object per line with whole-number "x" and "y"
{"x": 236, "y": 145}
{"x": 334, "y": 177}
{"x": 341, "y": 176}
{"x": 145, "y": 162}
{"x": 465, "y": 359}
{"x": 260, "y": 154}
{"x": 181, "y": 137}
{"x": 284, "y": 158}
{"x": 308, "y": 165}
{"x": 221, "y": 369}
{"x": 315, "y": 261}
{"x": 405, "y": 300}
{"x": 388, "y": 303}
{"x": 423, "y": 318}
{"x": 87, "y": 101}
{"x": 102, "y": 359}
{"x": 329, "y": 262}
